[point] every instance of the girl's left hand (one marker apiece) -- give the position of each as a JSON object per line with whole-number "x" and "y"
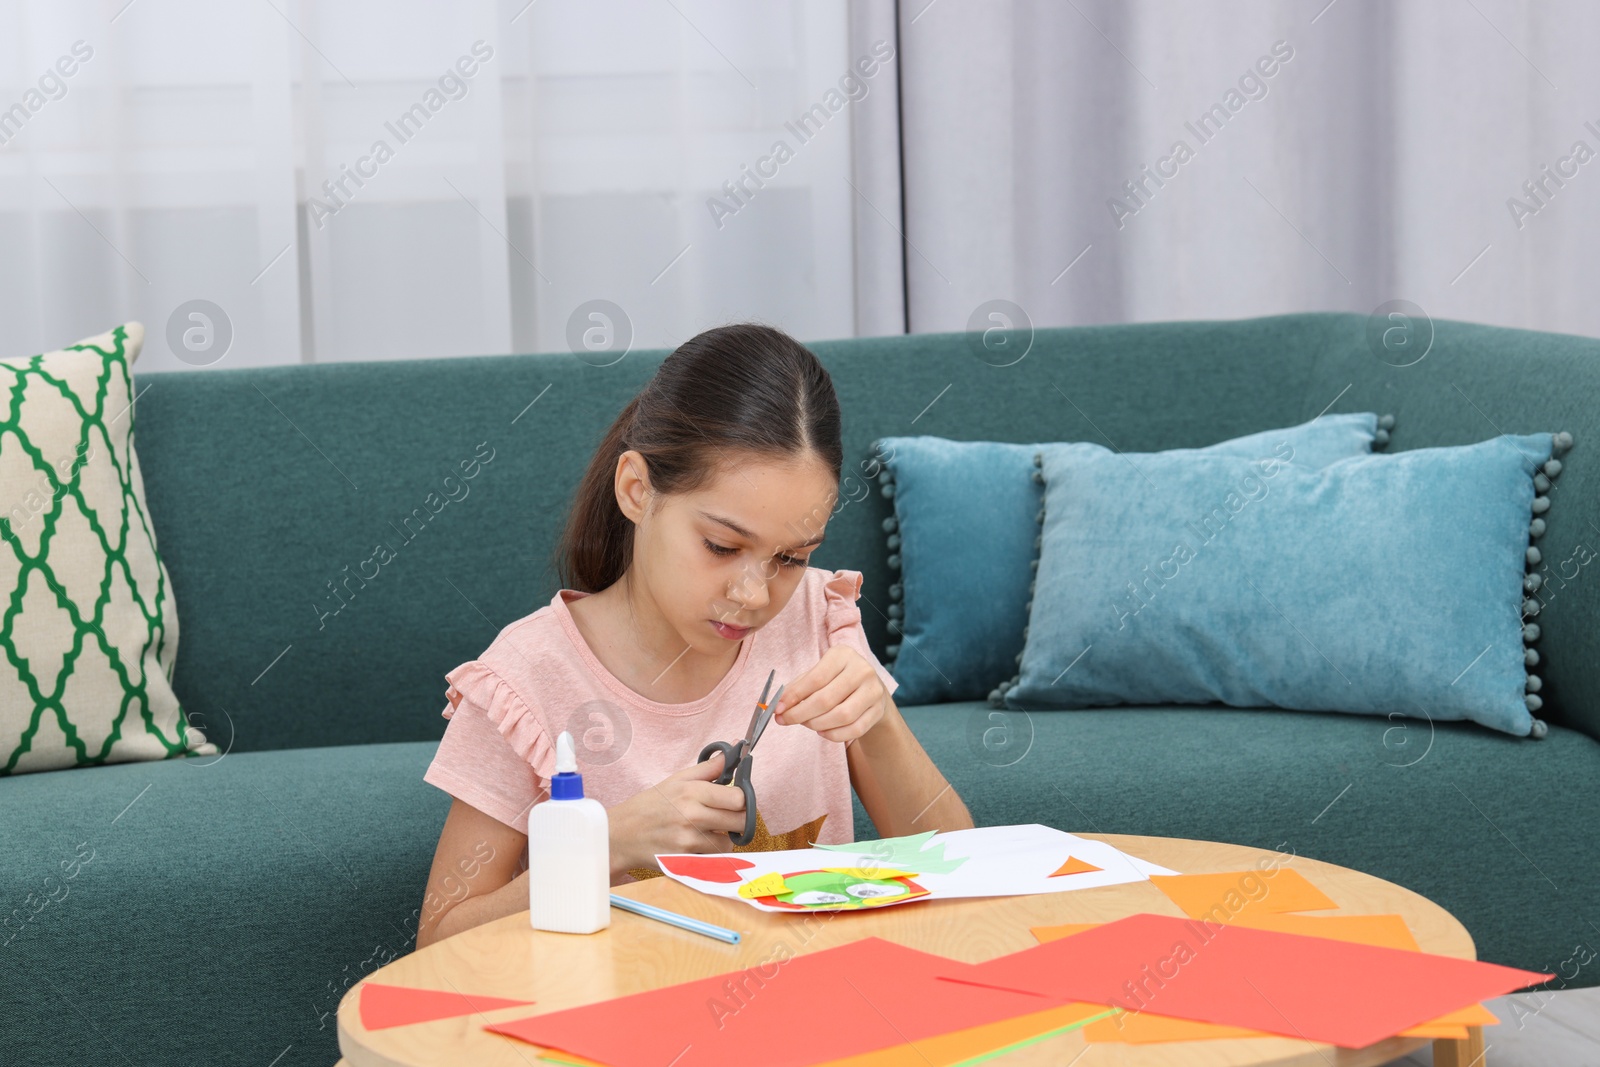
{"x": 840, "y": 698}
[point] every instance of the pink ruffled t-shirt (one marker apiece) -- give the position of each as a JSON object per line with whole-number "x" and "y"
{"x": 539, "y": 677}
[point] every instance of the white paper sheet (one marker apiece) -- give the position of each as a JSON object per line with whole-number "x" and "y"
{"x": 986, "y": 861}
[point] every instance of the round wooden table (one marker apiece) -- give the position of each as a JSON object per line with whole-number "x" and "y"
{"x": 506, "y": 958}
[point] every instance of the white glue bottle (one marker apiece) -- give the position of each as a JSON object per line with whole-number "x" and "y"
{"x": 569, "y": 854}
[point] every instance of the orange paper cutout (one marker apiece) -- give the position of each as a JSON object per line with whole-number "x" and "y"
{"x": 1144, "y": 1028}
{"x": 1073, "y": 866}
{"x": 962, "y": 1046}
{"x": 1054, "y": 933}
{"x": 1225, "y": 897}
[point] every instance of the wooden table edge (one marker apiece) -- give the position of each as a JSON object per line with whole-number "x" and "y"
{"x": 1447, "y": 1052}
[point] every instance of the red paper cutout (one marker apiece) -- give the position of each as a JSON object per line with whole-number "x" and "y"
{"x": 1073, "y": 866}
{"x": 1313, "y": 988}
{"x": 811, "y": 1008}
{"x": 706, "y": 868}
{"x": 383, "y": 1006}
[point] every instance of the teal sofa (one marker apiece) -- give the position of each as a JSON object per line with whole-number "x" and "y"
{"x": 230, "y": 901}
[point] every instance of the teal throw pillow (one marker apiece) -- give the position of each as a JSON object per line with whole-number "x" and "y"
{"x": 1384, "y": 584}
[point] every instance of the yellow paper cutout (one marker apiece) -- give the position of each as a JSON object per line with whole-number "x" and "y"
{"x": 768, "y": 885}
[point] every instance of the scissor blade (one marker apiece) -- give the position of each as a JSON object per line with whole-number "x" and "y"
{"x": 766, "y": 717}
{"x": 756, "y": 725}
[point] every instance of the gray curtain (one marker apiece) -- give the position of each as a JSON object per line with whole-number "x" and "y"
{"x": 1338, "y": 156}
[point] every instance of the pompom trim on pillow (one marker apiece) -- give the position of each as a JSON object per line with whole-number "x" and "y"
{"x": 1560, "y": 443}
{"x": 891, "y": 528}
{"x": 997, "y": 695}
{"x": 1380, "y": 439}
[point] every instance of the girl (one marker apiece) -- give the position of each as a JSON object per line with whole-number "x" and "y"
{"x": 686, "y": 553}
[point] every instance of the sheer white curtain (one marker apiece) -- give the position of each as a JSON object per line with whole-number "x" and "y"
{"x": 1379, "y": 161}
{"x": 363, "y": 180}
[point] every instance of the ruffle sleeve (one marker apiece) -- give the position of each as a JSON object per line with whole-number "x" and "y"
{"x": 840, "y": 593}
{"x": 843, "y": 620}
{"x": 477, "y": 683}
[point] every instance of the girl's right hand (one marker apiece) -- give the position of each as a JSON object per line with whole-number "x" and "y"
{"x": 686, "y": 812}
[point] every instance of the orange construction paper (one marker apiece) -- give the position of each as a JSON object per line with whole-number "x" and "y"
{"x": 947, "y": 1050}
{"x": 1225, "y": 897}
{"x": 383, "y": 1006}
{"x": 1471, "y": 1015}
{"x": 1143, "y": 1028}
{"x": 1054, "y": 933}
{"x": 1073, "y": 866}
{"x": 1389, "y": 931}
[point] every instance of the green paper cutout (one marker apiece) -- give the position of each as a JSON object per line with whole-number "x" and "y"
{"x": 908, "y": 853}
{"x": 1035, "y": 1039}
{"x": 839, "y": 884}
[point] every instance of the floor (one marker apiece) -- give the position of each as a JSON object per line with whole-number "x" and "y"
{"x": 1560, "y": 1029}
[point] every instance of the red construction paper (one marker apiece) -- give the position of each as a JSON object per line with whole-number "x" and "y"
{"x": 792, "y": 1011}
{"x": 706, "y": 868}
{"x": 1315, "y": 988}
{"x": 1073, "y": 866}
{"x": 383, "y": 1006}
{"x": 1390, "y": 930}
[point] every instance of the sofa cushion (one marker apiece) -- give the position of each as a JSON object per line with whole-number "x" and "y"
{"x": 228, "y": 902}
{"x": 91, "y": 626}
{"x": 1498, "y": 830}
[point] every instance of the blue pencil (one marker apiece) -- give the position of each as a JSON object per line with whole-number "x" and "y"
{"x": 672, "y": 918}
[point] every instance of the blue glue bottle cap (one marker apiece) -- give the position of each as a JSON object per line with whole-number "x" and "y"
{"x": 567, "y": 783}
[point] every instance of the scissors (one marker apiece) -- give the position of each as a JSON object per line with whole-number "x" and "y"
{"x": 736, "y": 759}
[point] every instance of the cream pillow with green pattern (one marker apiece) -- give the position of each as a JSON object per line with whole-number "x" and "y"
{"x": 88, "y": 627}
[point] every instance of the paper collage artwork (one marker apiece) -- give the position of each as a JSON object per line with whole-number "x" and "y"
{"x": 988, "y": 861}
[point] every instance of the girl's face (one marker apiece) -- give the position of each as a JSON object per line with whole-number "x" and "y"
{"x": 721, "y": 561}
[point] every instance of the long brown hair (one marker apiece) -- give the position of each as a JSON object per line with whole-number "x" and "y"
{"x": 734, "y": 390}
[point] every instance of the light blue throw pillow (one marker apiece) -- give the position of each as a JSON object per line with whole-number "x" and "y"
{"x": 1385, "y": 584}
{"x": 964, "y": 535}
